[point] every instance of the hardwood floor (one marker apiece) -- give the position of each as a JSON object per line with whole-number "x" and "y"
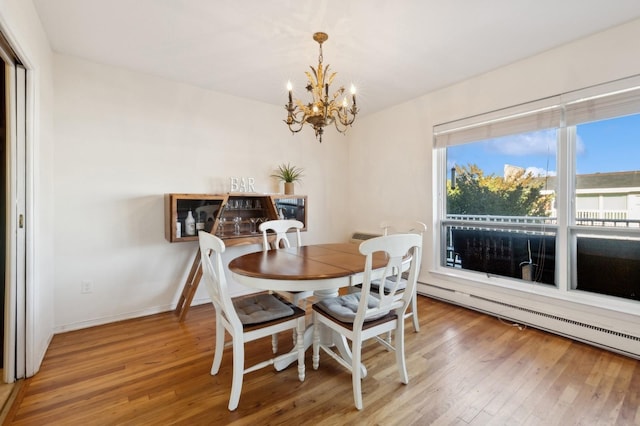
{"x": 464, "y": 367}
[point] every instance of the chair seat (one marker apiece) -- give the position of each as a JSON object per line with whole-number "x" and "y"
{"x": 344, "y": 308}
{"x": 389, "y": 316}
{"x": 261, "y": 308}
{"x": 264, "y": 309}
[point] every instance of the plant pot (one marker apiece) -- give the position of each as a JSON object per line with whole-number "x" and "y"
{"x": 288, "y": 188}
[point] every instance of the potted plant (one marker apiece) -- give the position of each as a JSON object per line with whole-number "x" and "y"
{"x": 288, "y": 174}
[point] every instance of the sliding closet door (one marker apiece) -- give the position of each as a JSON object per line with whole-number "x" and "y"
{"x": 19, "y": 223}
{"x": 14, "y": 221}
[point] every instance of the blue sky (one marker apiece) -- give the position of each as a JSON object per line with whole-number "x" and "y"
{"x": 603, "y": 146}
{"x": 610, "y": 145}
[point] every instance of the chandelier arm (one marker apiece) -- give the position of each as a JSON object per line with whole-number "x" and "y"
{"x": 293, "y": 131}
{"x": 342, "y": 131}
{"x": 292, "y": 115}
{"x": 295, "y": 122}
{"x": 342, "y": 126}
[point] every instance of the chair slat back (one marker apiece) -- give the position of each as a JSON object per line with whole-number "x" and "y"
{"x": 413, "y": 227}
{"x": 398, "y": 248}
{"x": 280, "y": 228}
{"x": 408, "y": 227}
{"x": 211, "y": 249}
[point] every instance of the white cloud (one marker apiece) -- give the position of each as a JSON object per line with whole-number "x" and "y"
{"x": 580, "y": 148}
{"x": 539, "y": 171}
{"x": 534, "y": 143}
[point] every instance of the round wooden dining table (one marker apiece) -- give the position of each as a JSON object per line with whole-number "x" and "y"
{"x": 323, "y": 268}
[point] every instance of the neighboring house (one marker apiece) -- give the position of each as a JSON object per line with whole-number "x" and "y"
{"x": 607, "y": 196}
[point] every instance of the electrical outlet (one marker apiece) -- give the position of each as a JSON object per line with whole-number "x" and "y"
{"x": 86, "y": 287}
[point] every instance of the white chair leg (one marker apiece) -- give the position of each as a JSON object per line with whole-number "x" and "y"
{"x": 238, "y": 372}
{"x": 356, "y": 352}
{"x": 402, "y": 367}
{"x": 316, "y": 342}
{"x": 300, "y": 347}
{"x": 414, "y": 312}
{"x": 217, "y": 356}
{"x": 274, "y": 337}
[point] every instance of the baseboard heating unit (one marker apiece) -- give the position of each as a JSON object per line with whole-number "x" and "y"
{"x": 612, "y": 340}
{"x": 358, "y": 237}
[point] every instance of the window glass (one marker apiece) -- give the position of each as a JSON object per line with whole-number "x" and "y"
{"x": 608, "y": 196}
{"x": 507, "y": 176}
{"x": 587, "y": 205}
{"x": 609, "y": 266}
{"x": 511, "y": 253}
{"x": 608, "y": 172}
{"x": 503, "y": 180}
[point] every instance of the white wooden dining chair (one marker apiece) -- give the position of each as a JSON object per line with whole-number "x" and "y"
{"x": 245, "y": 318}
{"x": 367, "y": 314}
{"x": 415, "y": 227}
{"x": 280, "y": 227}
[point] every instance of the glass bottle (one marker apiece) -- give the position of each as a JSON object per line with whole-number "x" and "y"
{"x": 190, "y": 224}
{"x": 200, "y": 221}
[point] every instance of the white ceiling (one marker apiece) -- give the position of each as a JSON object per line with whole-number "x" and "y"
{"x": 392, "y": 51}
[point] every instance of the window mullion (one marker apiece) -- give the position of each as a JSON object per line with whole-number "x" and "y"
{"x": 565, "y": 256}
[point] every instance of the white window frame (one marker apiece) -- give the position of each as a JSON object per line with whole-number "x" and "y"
{"x": 609, "y": 100}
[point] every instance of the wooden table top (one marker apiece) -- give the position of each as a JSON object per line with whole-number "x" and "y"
{"x": 314, "y": 262}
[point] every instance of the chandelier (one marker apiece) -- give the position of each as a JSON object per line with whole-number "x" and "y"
{"x": 324, "y": 109}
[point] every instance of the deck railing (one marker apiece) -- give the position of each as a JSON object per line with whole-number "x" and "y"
{"x": 608, "y": 221}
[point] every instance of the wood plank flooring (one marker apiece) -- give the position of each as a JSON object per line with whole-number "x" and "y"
{"x": 465, "y": 368}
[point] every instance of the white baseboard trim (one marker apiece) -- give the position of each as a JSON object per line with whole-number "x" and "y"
{"x": 565, "y": 324}
{"x": 109, "y": 319}
{"x": 130, "y": 315}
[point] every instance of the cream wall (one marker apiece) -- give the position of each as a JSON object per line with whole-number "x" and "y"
{"x": 20, "y": 23}
{"x": 391, "y": 152}
{"x": 123, "y": 139}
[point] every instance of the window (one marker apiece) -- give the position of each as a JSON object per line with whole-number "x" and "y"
{"x": 503, "y": 212}
{"x": 607, "y": 178}
{"x": 607, "y": 198}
